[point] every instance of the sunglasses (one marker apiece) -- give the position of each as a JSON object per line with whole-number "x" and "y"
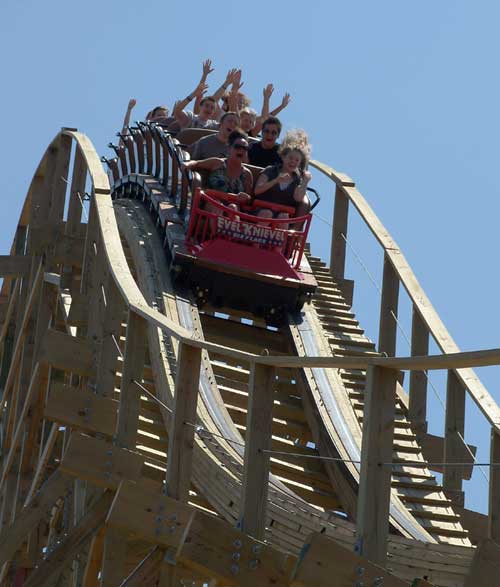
{"x": 268, "y": 131}
{"x": 240, "y": 146}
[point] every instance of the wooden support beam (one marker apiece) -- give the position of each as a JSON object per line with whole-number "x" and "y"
{"x": 68, "y": 353}
{"x": 418, "y": 379}
{"x": 69, "y": 250}
{"x": 14, "y": 265}
{"x": 258, "y": 439}
{"x": 181, "y": 436}
{"x": 79, "y": 310}
{"x": 339, "y": 234}
{"x": 94, "y": 560}
{"x": 99, "y": 462}
{"x": 11, "y": 538}
{"x": 375, "y": 480}
{"x": 494, "y": 488}
{"x": 325, "y": 563}
{"x": 81, "y": 410}
{"x": 145, "y": 570}
{"x": 433, "y": 450}
{"x": 55, "y": 562}
{"x": 77, "y": 191}
{"x": 485, "y": 568}
{"x": 150, "y": 516}
{"x": 133, "y": 368}
{"x": 388, "y": 310}
{"x": 454, "y": 432}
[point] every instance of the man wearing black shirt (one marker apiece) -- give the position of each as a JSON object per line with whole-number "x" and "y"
{"x": 265, "y": 152}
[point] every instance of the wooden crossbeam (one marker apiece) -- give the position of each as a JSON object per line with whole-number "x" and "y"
{"x": 100, "y": 462}
{"x": 51, "y": 567}
{"x": 485, "y": 565}
{"x": 14, "y": 265}
{"x": 324, "y": 563}
{"x": 68, "y": 353}
{"x": 81, "y": 410}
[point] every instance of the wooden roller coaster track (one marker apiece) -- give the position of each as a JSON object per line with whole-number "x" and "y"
{"x": 147, "y": 442}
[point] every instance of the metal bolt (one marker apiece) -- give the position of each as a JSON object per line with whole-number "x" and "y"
{"x": 378, "y": 581}
{"x": 173, "y": 518}
{"x": 158, "y": 519}
{"x": 235, "y": 569}
{"x": 236, "y": 556}
{"x": 109, "y": 453}
{"x": 172, "y": 529}
{"x": 237, "y": 544}
{"x": 253, "y": 564}
{"x": 256, "y": 548}
{"x": 360, "y": 571}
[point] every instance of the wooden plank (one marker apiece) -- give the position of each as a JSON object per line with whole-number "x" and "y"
{"x": 130, "y": 397}
{"x": 69, "y": 250}
{"x": 388, "y": 311}
{"x": 79, "y": 310}
{"x": 149, "y": 566}
{"x": 375, "y": 481}
{"x": 418, "y": 379}
{"x": 51, "y": 567}
{"x": 66, "y": 352}
{"x": 77, "y": 191}
{"x": 433, "y": 450}
{"x": 12, "y": 537}
{"x": 494, "y": 488}
{"x": 218, "y": 551}
{"x": 325, "y": 563}
{"x": 100, "y": 462}
{"x": 148, "y": 515}
{"x": 81, "y": 409}
{"x": 14, "y": 265}
{"x": 59, "y": 183}
{"x": 94, "y": 560}
{"x": 257, "y": 439}
{"x": 339, "y": 234}
{"x": 485, "y": 567}
{"x": 454, "y": 432}
{"x": 181, "y": 436}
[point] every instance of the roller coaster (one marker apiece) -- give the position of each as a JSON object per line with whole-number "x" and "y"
{"x": 154, "y": 436}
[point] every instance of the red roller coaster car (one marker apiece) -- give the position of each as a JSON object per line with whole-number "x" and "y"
{"x": 236, "y": 259}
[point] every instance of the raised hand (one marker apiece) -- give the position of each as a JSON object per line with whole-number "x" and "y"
{"x": 201, "y": 88}
{"x": 286, "y": 100}
{"x": 237, "y": 83}
{"x": 306, "y": 177}
{"x": 268, "y": 91}
{"x": 231, "y": 75}
{"x": 131, "y": 103}
{"x": 207, "y": 68}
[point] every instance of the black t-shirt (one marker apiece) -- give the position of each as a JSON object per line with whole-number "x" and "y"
{"x": 275, "y": 194}
{"x": 261, "y": 157}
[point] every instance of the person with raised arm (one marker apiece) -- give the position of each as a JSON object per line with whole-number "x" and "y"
{"x": 268, "y": 92}
{"x": 207, "y": 104}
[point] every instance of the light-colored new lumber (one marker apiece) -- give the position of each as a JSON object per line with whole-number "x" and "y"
{"x": 258, "y": 439}
{"x": 417, "y": 409}
{"x": 181, "y": 434}
{"x": 388, "y": 311}
{"x": 68, "y": 353}
{"x": 453, "y": 433}
{"x": 494, "y": 488}
{"x": 375, "y": 480}
{"x": 339, "y": 234}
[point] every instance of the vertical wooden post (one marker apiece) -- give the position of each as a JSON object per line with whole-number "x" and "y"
{"x": 130, "y": 395}
{"x": 454, "y": 431}
{"x": 418, "y": 379}
{"x": 257, "y": 439}
{"x": 77, "y": 191}
{"x": 181, "y": 436}
{"x": 375, "y": 480}
{"x": 494, "y": 493}
{"x": 338, "y": 245}
{"x": 388, "y": 310}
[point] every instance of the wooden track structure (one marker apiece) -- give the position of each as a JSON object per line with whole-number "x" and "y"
{"x": 145, "y": 442}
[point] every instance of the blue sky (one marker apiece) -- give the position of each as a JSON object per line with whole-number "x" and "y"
{"x": 402, "y": 96}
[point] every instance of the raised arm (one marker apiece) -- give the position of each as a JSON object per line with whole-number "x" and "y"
{"x": 227, "y": 82}
{"x": 232, "y": 102}
{"x": 126, "y": 121}
{"x": 282, "y": 106}
{"x": 180, "y": 116}
{"x": 207, "y": 70}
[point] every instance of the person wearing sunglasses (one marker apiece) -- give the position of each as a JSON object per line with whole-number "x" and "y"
{"x": 228, "y": 175}
{"x": 266, "y": 152}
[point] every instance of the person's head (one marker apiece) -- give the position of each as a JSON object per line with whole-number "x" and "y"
{"x": 238, "y": 145}
{"x": 271, "y": 129}
{"x": 157, "y": 113}
{"x": 228, "y": 122}
{"x": 295, "y": 151}
{"x": 207, "y": 108}
{"x": 243, "y": 101}
{"x": 248, "y": 118}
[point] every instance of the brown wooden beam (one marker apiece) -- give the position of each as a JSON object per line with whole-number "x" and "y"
{"x": 14, "y": 265}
